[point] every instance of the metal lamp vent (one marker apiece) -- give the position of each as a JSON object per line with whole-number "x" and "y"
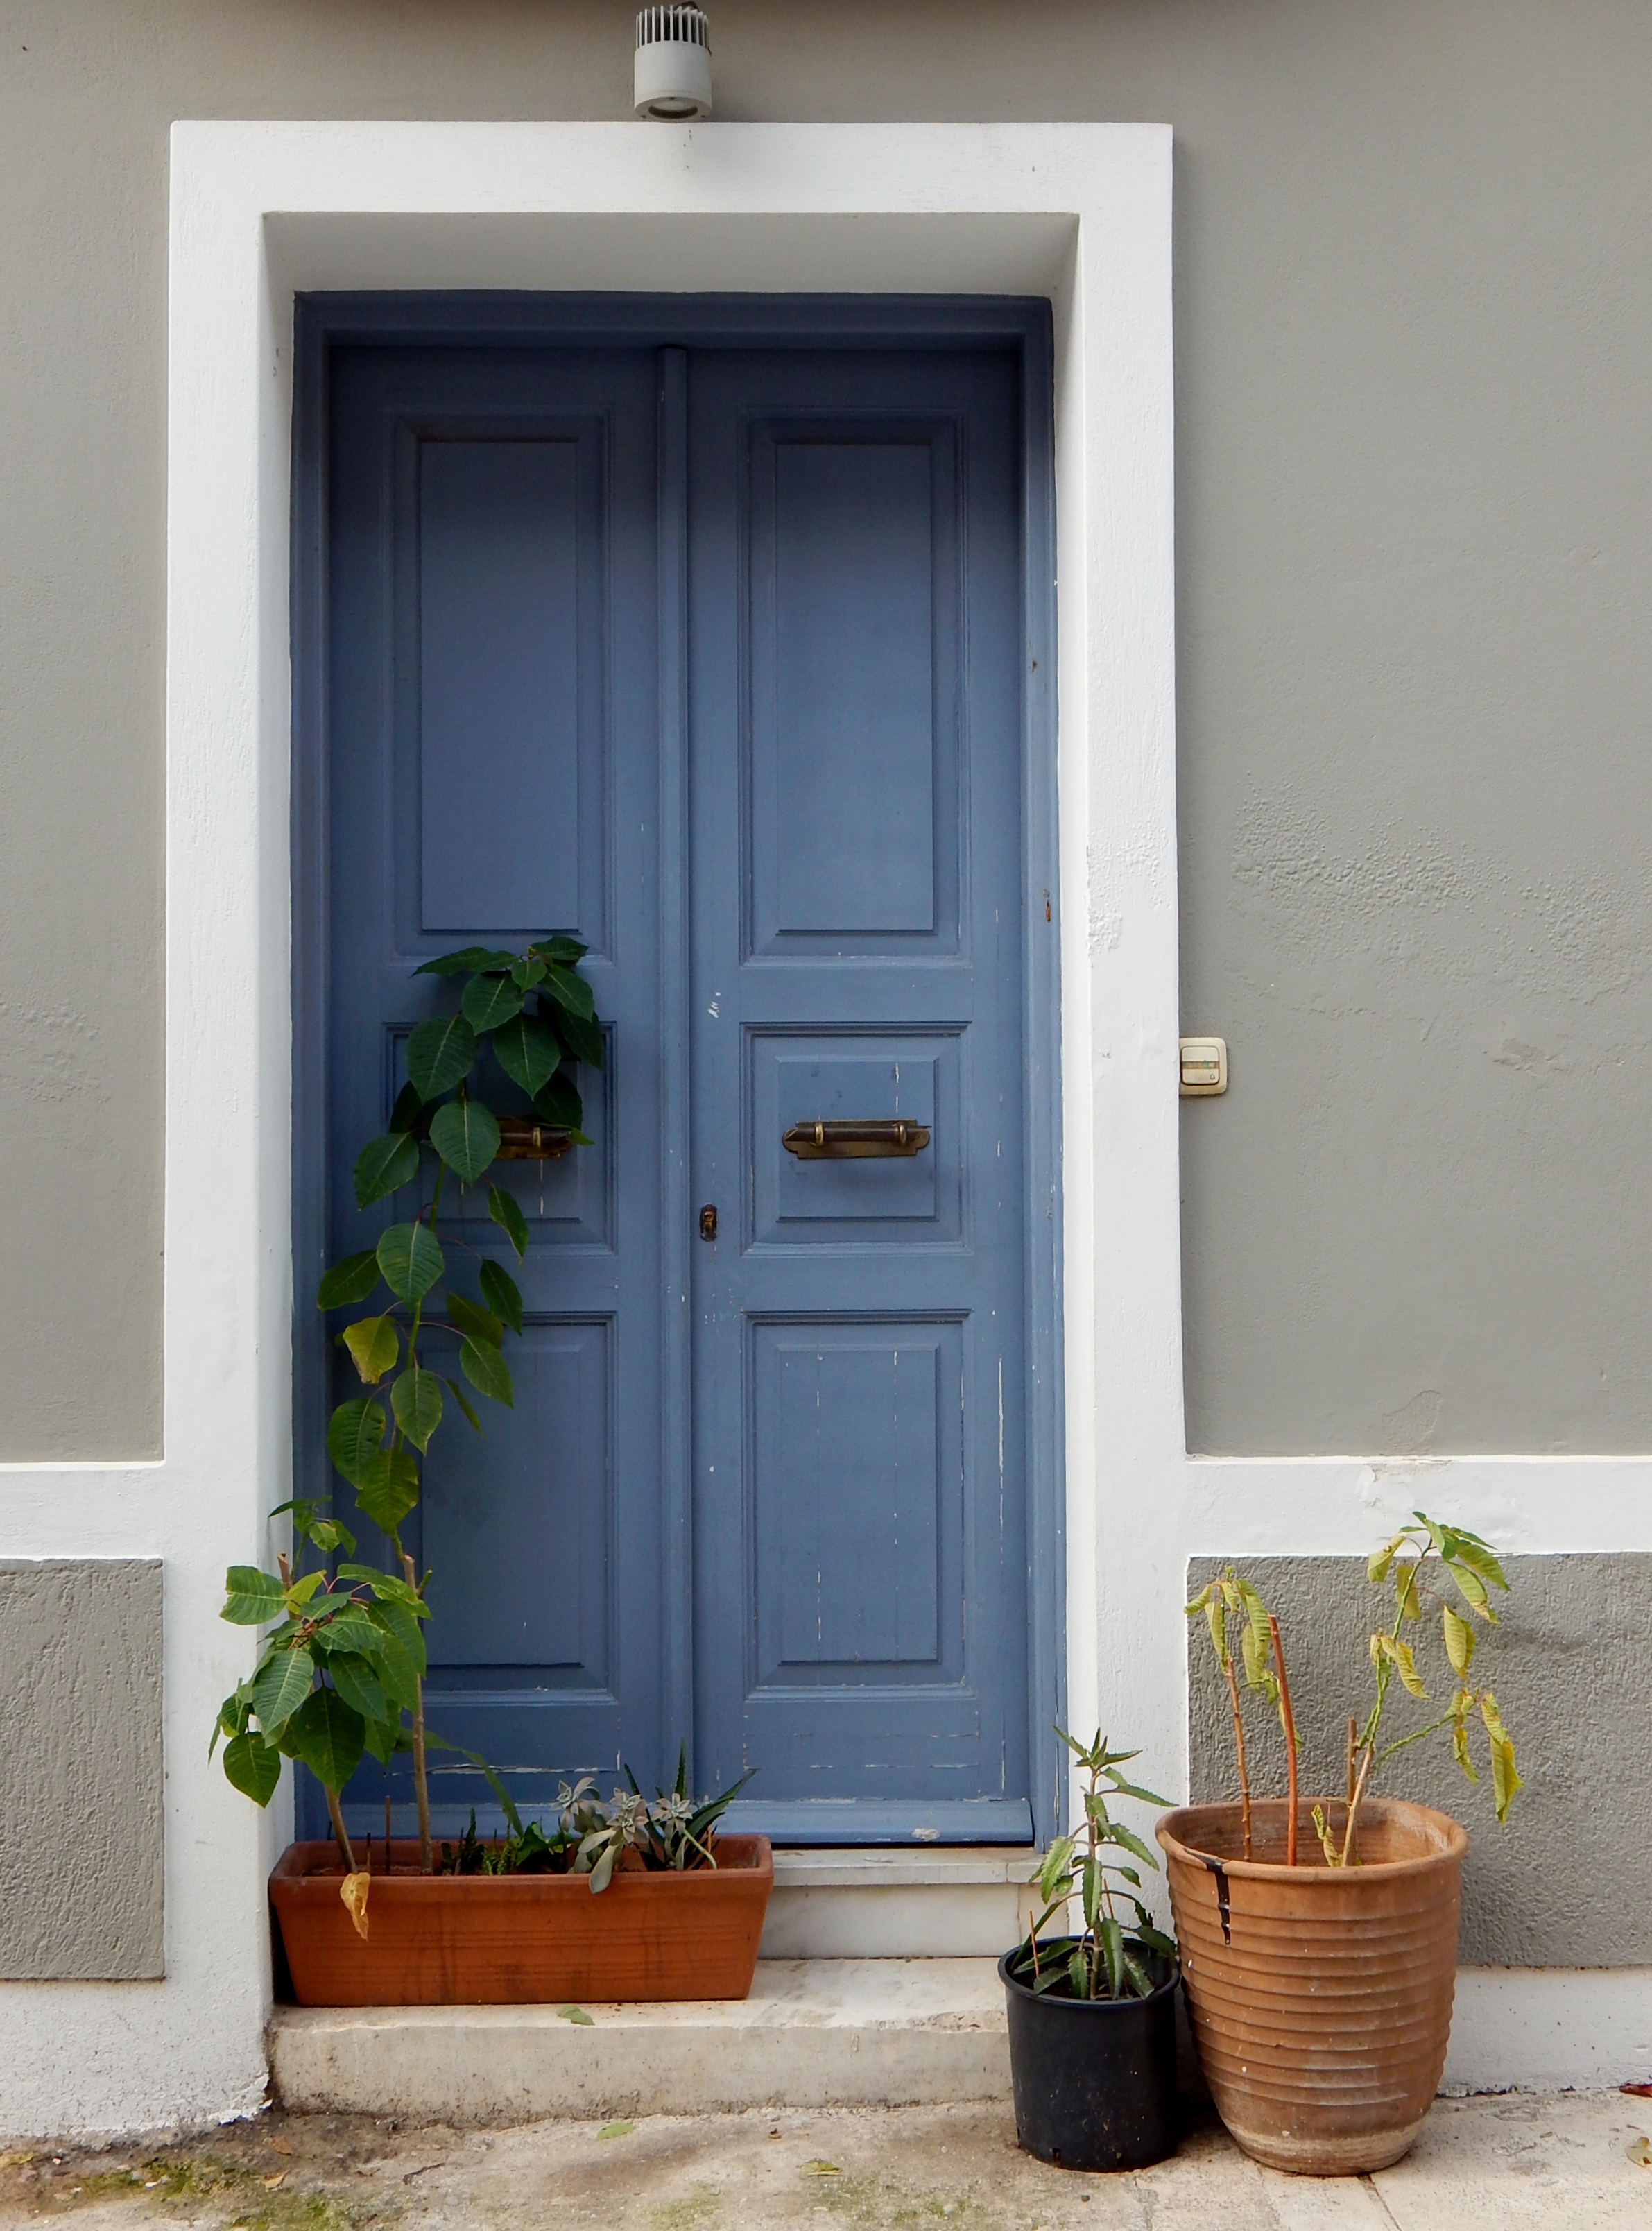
{"x": 673, "y": 73}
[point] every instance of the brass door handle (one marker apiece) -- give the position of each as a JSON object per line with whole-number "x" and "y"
{"x": 854, "y": 1141}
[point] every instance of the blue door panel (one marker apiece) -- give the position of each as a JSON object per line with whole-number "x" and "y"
{"x": 852, "y": 589}
{"x": 854, "y": 755}
{"x": 799, "y": 1077}
{"x": 491, "y": 776}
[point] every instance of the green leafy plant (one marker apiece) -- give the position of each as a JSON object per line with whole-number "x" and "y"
{"x": 669, "y": 1832}
{"x": 537, "y": 1016}
{"x": 1107, "y": 1960}
{"x": 1418, "y": 1556}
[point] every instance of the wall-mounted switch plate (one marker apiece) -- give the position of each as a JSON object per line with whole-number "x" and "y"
{"x": 1204, "y": 1068}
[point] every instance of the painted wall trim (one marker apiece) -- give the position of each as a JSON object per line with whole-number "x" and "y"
{"x": 1080, "y": 213}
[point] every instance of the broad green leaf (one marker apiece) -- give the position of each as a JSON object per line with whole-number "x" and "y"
{"x": 375, "y": 1345}
{"x": 467, "y": 962}
{"x": 355, "y": 1436}
{"x": 570, "y": 990}
{"x": 528, "y": 971}
{"x": 328, "y": 1735}
{"x": 383, "y": 1166}
{"x": 411, "y": 1260}
{"x": 558, "y": 1102}
{"x": 349, "y": 1630}
{"x": 405, "y": 1116}
{"x": 388, "y": 1489}
{"x": 348, "y": 1282}
{"x": 1215, "y": 1617}
{"x": 466, "y": 1135}
{"x": 1505, "y": 1780}
{"x": 283, "y": 1683}
{"x": 561, "y": 948}
{"x": 489, "y": 1001}
{"x": 480, "y": 1324}
{"x": 487, "y": 1371}
{"x": 382, "y": 1739}
{"x": 252, "y": 1597}
{"x": 358, "y": 1683}
{"x": 233, "y": 1715}
{"x": 502, "y": 1293}
{"x": 396, "y": 1622}
{"x": 416, "y": 1400}
{"x": 1480, "y": 1558}
{"x": 389, "y": 1587}
{"x": 1459, "y": 1639}
{"x": 527, "y": 1053}
{"x": 1253, "y": 1648}
{"x": 506, "y": 1212}
{"x": 1472, "y": 1589}
{"x": 252, "y": 1765}
{"x": 398, "y": 1670}
{"x": 466, "y": 1407}
{"x": 1056, "y": 1862}
{"x": 582, "y": 1037}
{"x": 439, "y": 1053}
{"x": 302, "y": 1589}
{"x": 1406, "y": 1666}
{"x": 1078, "y": 1975}
{"x": 1155, "y": 1939}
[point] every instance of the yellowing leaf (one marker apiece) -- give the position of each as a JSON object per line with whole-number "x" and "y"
{"x": 616, "y": 2130}
{"x": 1407, "y": 1667}
{"x": 275, "y": 2183}
{"x": 374, "y": 1344}
{"x": 1505, "y": 1780}
{"x": 576, "y": 2015}
{"x": 1640, "y": 2153}
{"x": 353, "y": 1890}
{"x": 821, "y": 2169}
{"x": 1459, "y": 1639}
{"x": 1405, "y": 1592}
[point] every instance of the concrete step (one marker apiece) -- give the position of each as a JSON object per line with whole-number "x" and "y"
{"x": 969, "y": 1902}
{"x": 813, "y": 2033}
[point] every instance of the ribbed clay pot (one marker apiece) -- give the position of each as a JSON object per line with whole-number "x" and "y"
{"x": 1320, "y": 1997}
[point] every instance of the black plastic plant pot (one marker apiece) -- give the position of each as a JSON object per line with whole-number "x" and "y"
{"x": 1095, "y": 2079}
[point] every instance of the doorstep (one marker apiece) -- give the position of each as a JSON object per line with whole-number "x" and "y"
{"x": 886, "y": 1903}
{"x": 843, "y": 2033}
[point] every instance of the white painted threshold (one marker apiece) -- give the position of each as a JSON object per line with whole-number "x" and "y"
{"x": 938, "y": 1903}
{"x": 813, "y": 2033}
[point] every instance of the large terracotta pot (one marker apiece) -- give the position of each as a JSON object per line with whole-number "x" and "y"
{"x": 1320, "y": 1998}
{"x": 488, "y": 1940}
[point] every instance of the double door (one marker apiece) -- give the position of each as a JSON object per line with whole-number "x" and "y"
{"x": 711, "y": 657}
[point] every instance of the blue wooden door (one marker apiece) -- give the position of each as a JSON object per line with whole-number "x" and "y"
{"x": 492, "y": 751}
{"x": 855, "y": 649}
{"x": 517, "y": 625}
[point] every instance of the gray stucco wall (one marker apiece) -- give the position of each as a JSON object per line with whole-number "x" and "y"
{"x": 1414, "y": 307}
{"x": 81, "y": 1858}
{"x": 1566, "y": 1882}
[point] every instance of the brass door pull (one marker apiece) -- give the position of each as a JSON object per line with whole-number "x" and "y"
{"x": 854, "y": 1141}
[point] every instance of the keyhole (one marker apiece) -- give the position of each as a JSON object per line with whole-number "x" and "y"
{"x": 708, "y": 1222}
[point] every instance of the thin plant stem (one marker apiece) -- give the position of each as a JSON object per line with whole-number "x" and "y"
{"x": 1354, "y": 1743}
{"x": 1289, "y": 1724}
{"x": 1239, "y": 1746}
{"x": 420, "y": 1786}
{"x": 339, "y": 1834}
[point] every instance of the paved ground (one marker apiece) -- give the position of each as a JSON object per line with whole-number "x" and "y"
{"x": 1564, "y": 2162}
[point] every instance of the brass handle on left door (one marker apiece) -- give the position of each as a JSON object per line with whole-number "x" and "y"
{"x": 852, "y": 1141}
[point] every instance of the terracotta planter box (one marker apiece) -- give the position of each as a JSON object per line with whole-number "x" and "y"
{"x": 513, "y": 1940}
{"x": 1320, "y": 1998}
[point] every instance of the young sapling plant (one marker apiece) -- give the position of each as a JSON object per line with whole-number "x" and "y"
{"x": 1107, "y": 1960}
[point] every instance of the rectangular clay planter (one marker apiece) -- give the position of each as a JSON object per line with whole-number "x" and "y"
{"x": 515, "y": 1940}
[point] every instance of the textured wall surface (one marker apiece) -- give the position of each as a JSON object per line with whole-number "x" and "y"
{"x": 81, "y": 1858}
{"x": 1414, "y": 307}
{"x": 1567, "y": 1881}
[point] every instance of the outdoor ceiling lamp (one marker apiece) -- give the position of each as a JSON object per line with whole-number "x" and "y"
{"x": 673, "y": 74}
